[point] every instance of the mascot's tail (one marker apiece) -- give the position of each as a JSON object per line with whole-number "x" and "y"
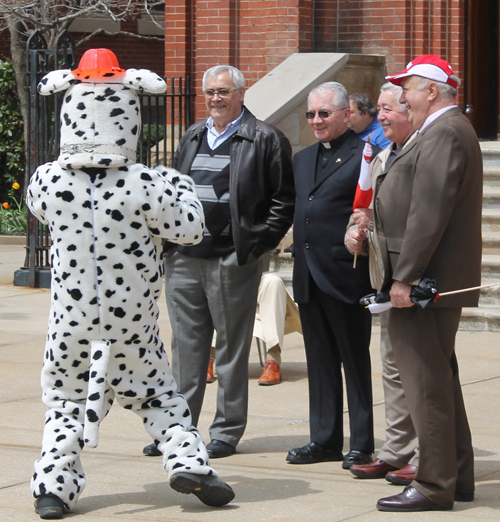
{"x": 94, "y": 408}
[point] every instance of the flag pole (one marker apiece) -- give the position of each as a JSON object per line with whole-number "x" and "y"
{"x": 356, "y": 255}
{"x": 466, "y": 290}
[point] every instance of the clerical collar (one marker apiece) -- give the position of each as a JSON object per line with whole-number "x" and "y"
{"x": 337, "y": 142}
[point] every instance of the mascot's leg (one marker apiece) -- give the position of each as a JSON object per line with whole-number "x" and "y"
{"x": 152, "y": 394}
{"x": 59, "y": 479}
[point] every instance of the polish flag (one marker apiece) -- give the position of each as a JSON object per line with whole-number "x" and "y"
{"x": 364, "y": 191}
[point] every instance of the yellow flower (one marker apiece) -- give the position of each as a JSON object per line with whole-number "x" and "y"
{"x": 15, "y": 185}
{"x": 5, "y": 205}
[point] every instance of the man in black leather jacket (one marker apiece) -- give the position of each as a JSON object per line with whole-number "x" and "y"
{"x": 242, "y": 168}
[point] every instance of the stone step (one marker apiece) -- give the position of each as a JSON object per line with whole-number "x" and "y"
{"x": 481, "y": 319}
{"x": 491, "y": 197}
{"x": 491, "y": 243}
{"x": 490, "y": 266}
{"x": 491, "y": 175}
{"x": 491, "y": 220}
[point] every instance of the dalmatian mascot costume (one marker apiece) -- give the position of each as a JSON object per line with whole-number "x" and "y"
{"x": 107, "y": 215}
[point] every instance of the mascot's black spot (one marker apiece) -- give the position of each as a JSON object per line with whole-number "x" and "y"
{"x": 81, "y": 106}
{"x": 135, "y": 225}
{"x": 116, "y": 112}
{"x": 65, "y": 196}
{"x": 119, "y": 312}
{"x": 121, "y": 142}
{"x": 130, "y": 393}
{"x": 146, "y": 207}
{"x": 92, "y": 416}
{"x": 120, "y": 183}
{"x": 146, "y": 177}
{"x": 67, "y": 119}
{"x": 94, "y": 396}
{"x": 76, "y": 294}
{"x": 116, "y": 215}
{"x": 134, "y": 130}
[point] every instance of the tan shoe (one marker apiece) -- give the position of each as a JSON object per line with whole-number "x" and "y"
{"x": 210, "y": 371}
{"x": 271, "y": 374}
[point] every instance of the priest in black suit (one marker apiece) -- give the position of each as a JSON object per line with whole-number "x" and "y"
{"x": 327, "y": 287}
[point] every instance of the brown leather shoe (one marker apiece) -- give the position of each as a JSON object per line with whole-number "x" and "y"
{"x": 210, "y": 371}
{"x": 402, "y": 477}
{"x": 409, "y": 500}
{"x": 271, "y": 373}
{"x": 376, "y": 469}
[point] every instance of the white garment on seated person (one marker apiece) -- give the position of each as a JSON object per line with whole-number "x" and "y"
{"x": 276, "y": 315}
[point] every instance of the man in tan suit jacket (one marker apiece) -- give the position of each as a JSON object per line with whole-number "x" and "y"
{"x": 428, "y": 224}
{"x": 397, "y": 460}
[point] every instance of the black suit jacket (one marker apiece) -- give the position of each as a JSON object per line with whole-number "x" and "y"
{"x": 322, "y": 210}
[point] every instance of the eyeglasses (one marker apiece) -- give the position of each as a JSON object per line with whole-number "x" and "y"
{"x": 222, "y": 93}
{"x": 323, "y": 113}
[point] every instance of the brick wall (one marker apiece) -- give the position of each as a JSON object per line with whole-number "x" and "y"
{"x": 257, "y": 35}
{"x": 131, "y": 52}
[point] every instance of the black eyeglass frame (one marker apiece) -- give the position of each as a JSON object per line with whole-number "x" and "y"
{"x": 322, "y": 113}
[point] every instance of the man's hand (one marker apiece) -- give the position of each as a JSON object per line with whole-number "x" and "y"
{"x": 400, "y": 295}
{"x": 362, "y": 217}
{"x": 354, "y": 240}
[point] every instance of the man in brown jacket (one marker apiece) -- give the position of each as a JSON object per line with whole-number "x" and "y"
{"x": 428, "y": 224}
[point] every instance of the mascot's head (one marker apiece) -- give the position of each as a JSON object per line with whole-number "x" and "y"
{"x": 100, "y": 115}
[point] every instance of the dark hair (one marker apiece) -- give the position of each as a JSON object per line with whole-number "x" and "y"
{"x": 364, "y": 104}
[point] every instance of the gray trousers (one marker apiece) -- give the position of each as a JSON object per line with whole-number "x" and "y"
{"x": 401, "y": 446}
{"x": 203, "y": 295}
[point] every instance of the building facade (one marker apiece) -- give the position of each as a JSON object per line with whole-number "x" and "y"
{"x": 257, "y": 35}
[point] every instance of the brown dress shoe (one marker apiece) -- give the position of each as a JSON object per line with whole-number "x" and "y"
{"x": 376, "y": 469}
{"x": 403, "y": 476}
{"x": 210, "y": 371}
{"x": 271, "y": 373}
{"x": 409, "y": 500}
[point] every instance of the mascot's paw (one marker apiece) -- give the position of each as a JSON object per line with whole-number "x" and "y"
{"x": 49, "y": 507}
{"x": 211, "y": 490}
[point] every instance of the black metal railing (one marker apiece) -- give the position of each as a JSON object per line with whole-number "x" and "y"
{"x": 165, "y": 118}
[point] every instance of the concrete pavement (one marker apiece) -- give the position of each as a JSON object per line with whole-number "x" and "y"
{"x": 124, "y": 485}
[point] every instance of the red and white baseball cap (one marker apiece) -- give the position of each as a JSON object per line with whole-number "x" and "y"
{"x": 428, "y": 66}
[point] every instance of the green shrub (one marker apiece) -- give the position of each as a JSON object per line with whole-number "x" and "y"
{"x": 12, "y": 162}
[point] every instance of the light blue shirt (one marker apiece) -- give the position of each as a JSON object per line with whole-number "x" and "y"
{"x": 376, "y": 133}
{"x": 215, "y": 139}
